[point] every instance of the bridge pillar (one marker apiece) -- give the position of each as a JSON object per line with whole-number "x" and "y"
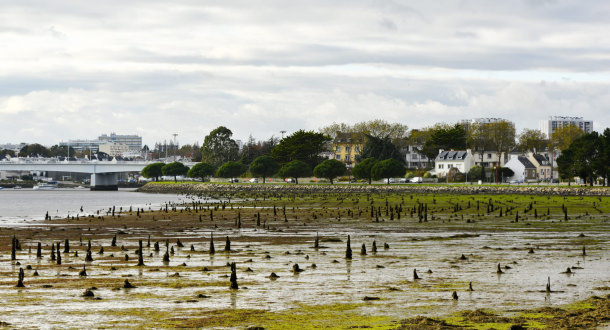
{"x": 105, "y": 181}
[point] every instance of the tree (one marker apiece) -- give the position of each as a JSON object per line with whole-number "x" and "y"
{"x": 231, "y": 169}
{"x": 295, "y": 169}
{"x": 565, "y": 162}
{"x": 378, "y": 128}
{"x": 585, "y": 150}
{"x": 201, "y": 170}
{"x": 153, "y": 171}
{"x": 501, "y": 135}
{"x": 264, "y": 166}
{"x": 62, "y": 151}
{"x": 504, "y": 172}
{"x": 305, "y": 146}
{"x": 563, "y": 136}
{"x": 218, "y": 147}
{"x": 601, "y": 163}
{"x": 380, "y": 148}
{"x": 475, "y": 174}
{"x": 444, "y": 137}
{"x": 34, "y": 150}
{"x": 330, "y": 169}
{"x": 174, "y": 169}
{"x": 363, "y": 169}
{"x": 532, "y": 140}
{"x": 388, "y": 168}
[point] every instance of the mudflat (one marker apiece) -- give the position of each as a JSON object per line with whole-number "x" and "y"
{"x": 418, "y": 260}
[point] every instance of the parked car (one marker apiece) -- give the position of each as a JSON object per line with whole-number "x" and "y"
{"x": 417, "y": 179}
{"x": 403, "y": 180}
{"x": 515, "y": 181}
{"x": 233, "y": 180}
{"x": 253, "y": 180}
{"x": 290, "y": 180}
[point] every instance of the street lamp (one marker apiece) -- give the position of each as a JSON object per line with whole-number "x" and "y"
{"x": 175, "y": 145}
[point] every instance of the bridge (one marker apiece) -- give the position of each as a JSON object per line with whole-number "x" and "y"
{"x": 104, "y": 174}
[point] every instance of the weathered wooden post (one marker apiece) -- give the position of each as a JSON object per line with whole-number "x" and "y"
{"x": 348, "y": 250}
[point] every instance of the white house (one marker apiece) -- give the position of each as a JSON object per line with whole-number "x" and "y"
{"x": 524, "y": 169}
{"x": 446, "y": 160}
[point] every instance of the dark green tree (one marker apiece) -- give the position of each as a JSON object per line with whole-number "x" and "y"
{"x": 476, "y": 173}
{"x": 218, "y": 147}
{"x": 174, "y": 169}
{"x": 231, "y": 169}
{"x": 295, "y": 169}
{"x": 565, "y": 164}
{"x": 389, "y": 168}
{"x": 153, "y": 171}
{"x": 330, "y": 169}
{"x": 305, "y": 146}
{"x": 34, "y": 150}
{"x": 380, "y": 148}
{"x": 601, "y": 163}
{"x": 363, "y": 169}
{"x": 264, "y": 166}
{"x": 586, "y": 150}
{"x": 61, "y": 151}
{"x": 201, "y": 170}
{"x": 446, "y": 138}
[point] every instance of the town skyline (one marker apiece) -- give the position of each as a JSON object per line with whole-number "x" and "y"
{"x": 72, "y": 71}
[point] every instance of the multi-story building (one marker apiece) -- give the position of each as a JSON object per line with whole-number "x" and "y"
{"x": 347, "y": 147}
{"x": 488, "y": 159}
{"x": 416, "y": 159}
{"x": 133, "y": 141}
{"x": 80, "y": 145}
{"x": 549, "y": 126}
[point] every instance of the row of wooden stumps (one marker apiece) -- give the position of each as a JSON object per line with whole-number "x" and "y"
{"x": 233, "y": 277}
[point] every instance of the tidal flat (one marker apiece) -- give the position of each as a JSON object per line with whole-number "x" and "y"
{"x": 511, "y": 260}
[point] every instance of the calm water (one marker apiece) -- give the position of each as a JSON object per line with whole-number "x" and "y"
{"x": 28, "y": 204}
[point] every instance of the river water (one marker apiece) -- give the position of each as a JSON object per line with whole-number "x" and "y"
{"x": 26, "y": 205}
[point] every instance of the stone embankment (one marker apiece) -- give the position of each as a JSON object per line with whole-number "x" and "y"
{"x": 212, "y": 189}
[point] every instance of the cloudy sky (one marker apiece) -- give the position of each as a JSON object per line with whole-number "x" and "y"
{"x": 76, "y": 69}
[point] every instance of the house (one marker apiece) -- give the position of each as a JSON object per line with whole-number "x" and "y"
{"x": 446, "y": 160}
{"x": 543, "y": 166}
{"x": 524, "y": 169}
{"x": 489, "y": 159}
{"x": 347, "y": 147}
{"x": 416, "y": 159}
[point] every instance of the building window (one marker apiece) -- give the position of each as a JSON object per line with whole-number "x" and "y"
{"x": 338, "y": 149}
{"x": 414, "y": 156}
{"x": 357, "y": 149}
{"x": 440, "y": 166}
{"x": 347, "y": 149}
{"x": 488, "y": 156}
{"x": 347, "y": 158}
{"x": 338, "y": 157}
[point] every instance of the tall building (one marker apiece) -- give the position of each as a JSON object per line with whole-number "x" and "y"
{"x": 548, "y": 126}
{"x": 133, "y": 141}
{"x": 80, "y": 145}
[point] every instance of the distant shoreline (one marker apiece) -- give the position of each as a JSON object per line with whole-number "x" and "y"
{"x": 212, "y": 188}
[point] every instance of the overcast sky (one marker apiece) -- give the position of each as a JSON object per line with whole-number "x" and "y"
{"x": 77, "y": 69}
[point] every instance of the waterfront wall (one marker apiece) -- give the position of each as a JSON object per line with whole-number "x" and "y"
{"x": 212, "y": 189}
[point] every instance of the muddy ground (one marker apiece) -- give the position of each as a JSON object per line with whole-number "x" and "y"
{"x": 505, "y": 247}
